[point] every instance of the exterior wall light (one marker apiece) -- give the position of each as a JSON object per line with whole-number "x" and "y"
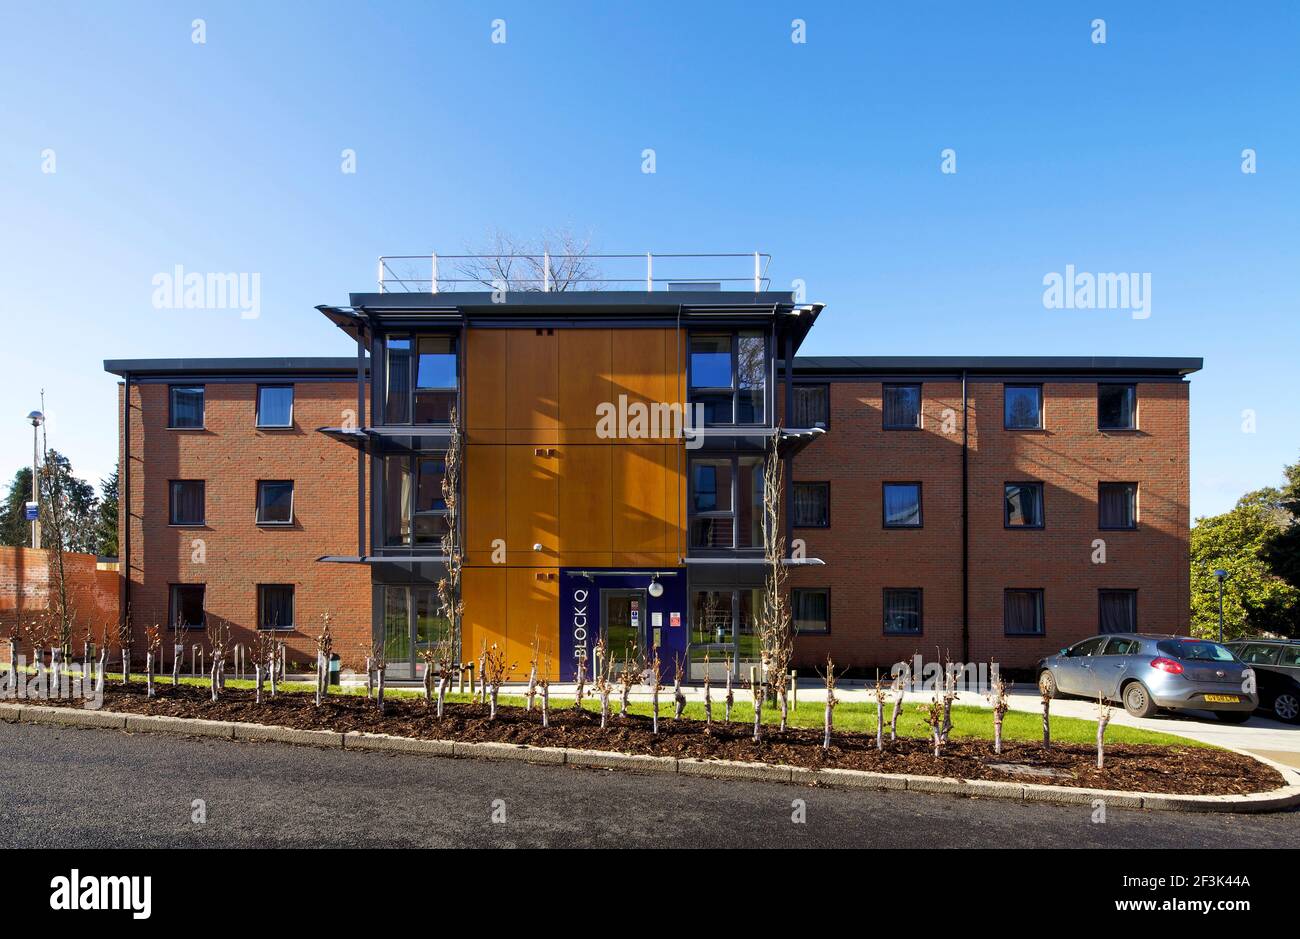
{"x": 655, "y": 589}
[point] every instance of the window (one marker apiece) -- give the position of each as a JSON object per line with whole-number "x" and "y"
{"x": 726, "y": 504}
{"x": 1022, "y": 612}
{"x": 901, "y": 407}
{"x": 185, "y": 606}
{"x": 728, "y": 376}
{"x": 1117, "y": 407}
{"x": 1024, "y": 505}
{"x": 811, "y": 610}
{"x": 902, "y": 505}
{"x": 1290, "y": 657}
{"x": 1117, "y": 505}
{"x": 275, "y": 405}
{"x": 186, "y": 502}
{"x": 422, "y": 377}
{"x": 811, "y": 406}
{"x": 414, "y": 503}
{"x": 1118, "y": 611}
{"x": 1258, "y": 653}
{"x": 1122, "y": 647}
{"x": 724, "y": 623}
{"x": 902, "y": 611}
{"x": 812, "y": 505}
{"x": 1087, "y": 648}
{"x": 274, "y": 501}
{"x": 275, "y": 606}
{"x": 1022, "y": 407}
{"x": 185, "y": 407}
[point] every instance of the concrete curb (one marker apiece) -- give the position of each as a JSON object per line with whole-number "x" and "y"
{"x": 1278, "y": 799}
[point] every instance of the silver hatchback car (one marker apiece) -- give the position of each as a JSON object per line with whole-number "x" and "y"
{"x": 1147, "y": 672}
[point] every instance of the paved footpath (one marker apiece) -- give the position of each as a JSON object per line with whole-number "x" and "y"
{"x": 65, "y": 787}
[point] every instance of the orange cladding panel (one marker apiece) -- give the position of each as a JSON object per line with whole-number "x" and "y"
{"x": 485, "y": 385}
{"x": 532, "y": 387}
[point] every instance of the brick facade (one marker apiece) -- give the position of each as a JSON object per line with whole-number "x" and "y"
{"x": 230, "y": 553}
{"x": 1070, "y": 456}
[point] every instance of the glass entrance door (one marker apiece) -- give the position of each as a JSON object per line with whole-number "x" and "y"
{"x": 412, "y": 623}
{"x": 623, "y": 623}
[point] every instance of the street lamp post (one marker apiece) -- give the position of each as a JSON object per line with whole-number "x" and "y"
{"x": 1220, "y": 575}
{"x": 37, "y": 419}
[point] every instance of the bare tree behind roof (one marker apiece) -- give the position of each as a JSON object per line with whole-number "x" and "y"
{"x": 518, "y": 264}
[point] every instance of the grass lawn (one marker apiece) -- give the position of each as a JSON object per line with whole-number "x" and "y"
{"x": 968, "y": 721}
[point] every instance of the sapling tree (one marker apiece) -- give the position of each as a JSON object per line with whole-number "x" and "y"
{"x": 429, "y": 656}
{"x": 545, "y": 682}
{"x": 730, "y": 700}
{"x": 757, "y": 692}
{"x": 899, "y": 690}
{"x": 532, "y": 674}
{"x": 1047, "y": 719}
{"x": 655, "y": 674}
{"x": 219, "y": 642}
{"x": 933, "y": 714}
{"x": 263, "y": 662}
{"x": 602, "y": 680}
{"x": 450, "y": 600}
{"x": 152, "y": 645}
{"x": 482, "y": 674}
{"x": 15, "y": 639}
{"x": 495, "y": 672}
{"x": 627, "y": 678}
{"x": 580, "y": 685}
{"x": 124, "y": 634}
{"x": 679, "y": 699}
{"x": 775, "y": 632}
{"x": 831, "y": 701}
{"x": 1103, "y": 718}
{"x": 879, "y": 693}
{"x": 379, "y": 661}
{"x": 997, "y": 697}
{"x": 324, "y": 645}
{"x": 708, "y": 698}
{"x": 949, "y": 695}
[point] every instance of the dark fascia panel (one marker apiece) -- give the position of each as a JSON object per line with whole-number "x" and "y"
{"x": 810, "y": 366}
{"x": 288, "y": 367}
{"x": 576, "y": 301}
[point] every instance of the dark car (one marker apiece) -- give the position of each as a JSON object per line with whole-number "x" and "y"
{"x": 1277, "y": 674}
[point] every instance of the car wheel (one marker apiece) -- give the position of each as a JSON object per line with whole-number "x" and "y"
{"x": 1137, "y": 701}
{"x": 1286, "y": 707}
{"x": 1233, "y": 717}
{"x": 1047, "y": 685}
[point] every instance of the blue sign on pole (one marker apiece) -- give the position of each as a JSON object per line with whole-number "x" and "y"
{"x": 32, "y": 512}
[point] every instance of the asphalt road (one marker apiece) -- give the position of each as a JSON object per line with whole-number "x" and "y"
{"x": 75, "y": 787}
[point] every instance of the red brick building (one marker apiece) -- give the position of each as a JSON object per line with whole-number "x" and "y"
{"x": 990, "y": 508}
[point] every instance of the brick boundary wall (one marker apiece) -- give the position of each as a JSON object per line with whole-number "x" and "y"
{"x": 26, "y": 579}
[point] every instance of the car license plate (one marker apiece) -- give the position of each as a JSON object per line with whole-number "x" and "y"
{"x": 1223, "y": 699}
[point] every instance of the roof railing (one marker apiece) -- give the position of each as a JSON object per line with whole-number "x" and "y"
{"x": 556, "y": 273}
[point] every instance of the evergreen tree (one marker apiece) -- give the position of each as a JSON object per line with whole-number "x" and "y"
{"x": 15, "y": 530}
{"x": 106, "y": 523}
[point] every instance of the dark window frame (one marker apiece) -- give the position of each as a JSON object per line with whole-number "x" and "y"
{"x": 1042, "y": 505}
{"x": 261, "y": 607}
{"x": 825, "y": 389}
{"x": 884, "y": 611}
{"x": 1136, "y": 489}
{"x": 171, "y": 503}
{"x": 1041, "y": 595}
{"x": 920, "y": 504}
{"x": 413, "y": 387}
{"x": 172, "y": 605}
{"x": 794, "y": 608}
{"x": 411, "y": 513}
{"x": 734, "y": 390}
{"x": 276, "y": 523}
{"x": 1130, "y": 592}
{"x": 171, "y": 407}
{"x": 1118, "y": 384}
{"x": 823, "y": 484}
{"x": 920, "y": 405}
{"x": 1042, "y": 405}
{"x": 736, "y": 502}
{"x": 293, "y": 400}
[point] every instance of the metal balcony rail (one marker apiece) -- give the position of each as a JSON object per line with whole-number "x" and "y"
{"x": 556, "y": 273}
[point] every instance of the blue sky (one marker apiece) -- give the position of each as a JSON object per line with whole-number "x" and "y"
{"x": 225, "y": 156}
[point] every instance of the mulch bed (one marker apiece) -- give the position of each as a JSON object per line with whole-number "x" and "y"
{"x": 1129, "y": 767}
